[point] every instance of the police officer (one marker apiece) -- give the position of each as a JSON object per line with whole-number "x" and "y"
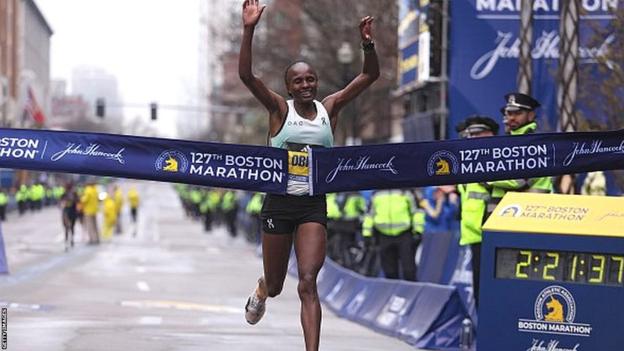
{"x": 21, "y": 196}
{"x": 474, "y": 198}
{"x": 354, "y": 209}
{"x": 390, "y": 219}
{"x": 4, "y": 200}
{"x": 229, "y": 208}
{"x": 334, "y": 215}
{"x": 519, "y": 118}
{"x": 253, "y": 209}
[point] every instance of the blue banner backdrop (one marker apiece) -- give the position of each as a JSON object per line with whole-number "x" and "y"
{"x": 484, "y": 49}
{"x": 465, "y": 161}
{"x": 244, "y": 167}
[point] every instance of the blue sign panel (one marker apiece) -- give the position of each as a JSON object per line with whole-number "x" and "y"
{"x": 484, "y": 50}
{"x": 408, "y": 43}
{"x": 408, "y": 65}
{"x": 551, "y": 292}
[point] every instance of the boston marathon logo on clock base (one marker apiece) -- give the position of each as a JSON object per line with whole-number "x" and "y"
{"x": 172, "y": 161}
{"x": 511, "y": 211}
{"x": 554, "y": 310}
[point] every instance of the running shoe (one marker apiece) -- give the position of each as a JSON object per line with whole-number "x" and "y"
{"x": 254, "y": 309}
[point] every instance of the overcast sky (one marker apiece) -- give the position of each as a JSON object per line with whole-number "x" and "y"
{"x": 151, "y": 46}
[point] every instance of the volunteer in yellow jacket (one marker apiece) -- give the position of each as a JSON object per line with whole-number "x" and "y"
{"x": 474, "y": 198}
{"x": 520, "y": 119}
{"x": 391, "y": 221}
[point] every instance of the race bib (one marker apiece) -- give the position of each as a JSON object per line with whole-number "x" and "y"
{"x": 298, "y": 171}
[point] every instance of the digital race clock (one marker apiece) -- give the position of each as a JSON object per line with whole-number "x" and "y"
{"x": 559, "y": 266}
{"x": 552, "y": 274}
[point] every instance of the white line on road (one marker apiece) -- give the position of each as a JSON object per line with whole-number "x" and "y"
{"x": 140, "y": 269}
{"x": 141, "y": 285}
{"x": 150, "y": 320}
{"x": 182, "y": 305}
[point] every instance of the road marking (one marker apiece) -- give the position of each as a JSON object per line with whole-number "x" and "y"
{"x": 140, "y": 269}
{"x": 150, "y": 320}
{"x": 213, "y": 250}
{"x": 24, "y": 306}
{"x": 141, "y": 285}
{"x": 34, "y": 271}
{"x": 180, "y": 305}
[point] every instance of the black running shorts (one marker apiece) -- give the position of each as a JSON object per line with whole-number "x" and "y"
{"x": 281, "y": 214}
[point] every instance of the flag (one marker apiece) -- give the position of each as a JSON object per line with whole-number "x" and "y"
{"x": 33, "y": 109}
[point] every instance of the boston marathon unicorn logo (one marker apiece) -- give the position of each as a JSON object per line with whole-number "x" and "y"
{"x": 510, "y": 211}
{"x": 555, "y": 304}
{"x": 171, "y": 165}
{"x": 442, "y": 163}
{"x": 443, "y": 167}
{"x": 171, "y": 161}
{"x": 555, "y": 310}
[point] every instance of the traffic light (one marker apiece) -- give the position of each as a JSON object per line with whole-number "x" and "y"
{"x": 434, "y": 18}
{"x": 154, "y": 111}
{"x": 100, "y": 107}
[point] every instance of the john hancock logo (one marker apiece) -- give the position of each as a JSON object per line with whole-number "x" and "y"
{"x": 442, "y": 163}
{"x": 554, "y": 312}
{"x": 361, "y": 163}
{"x": 172, "y": 161}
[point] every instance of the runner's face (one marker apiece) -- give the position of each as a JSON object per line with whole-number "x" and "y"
{"x": 302, "y": 82}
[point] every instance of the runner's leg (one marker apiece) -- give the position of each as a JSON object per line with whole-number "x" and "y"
{"x": 275, "y": 255}
{"x": 310, "y": 242}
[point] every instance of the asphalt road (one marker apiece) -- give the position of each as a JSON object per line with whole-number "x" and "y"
{"x": 170, "y": 287}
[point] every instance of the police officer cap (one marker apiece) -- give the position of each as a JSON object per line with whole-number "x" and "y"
{"x": 476, "y": 124}
{"x": 519, "y": 101}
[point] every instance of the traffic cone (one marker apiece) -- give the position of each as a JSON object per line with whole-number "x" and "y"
{"x": 4, "y": 267}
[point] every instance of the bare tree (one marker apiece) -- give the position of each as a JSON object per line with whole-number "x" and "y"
{"x": 601, "y": 92}
{"x": 314, "y": 31}
{"x": 601, "y": 85}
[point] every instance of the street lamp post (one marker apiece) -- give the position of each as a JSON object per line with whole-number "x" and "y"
{"x": 345, "y": 56}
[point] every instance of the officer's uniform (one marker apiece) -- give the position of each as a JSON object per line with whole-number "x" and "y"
{"x": 354, "y": 209}
{"x": 229, "y": 206}
{"x": 334, "y": 226}
{"x": 4, "y": 200}
{"x": 595, "y": 184}
{"x": 516, "y": 102}
{"x": 474, "y": 199}
{"x": 253, "y": 208}
{"x": 390, "y": 218}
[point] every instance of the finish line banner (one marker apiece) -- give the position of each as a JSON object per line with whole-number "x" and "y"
{"x": 244, "y": 167}
{"x": 266, "y": 169}
{"x": 465, "y": 161}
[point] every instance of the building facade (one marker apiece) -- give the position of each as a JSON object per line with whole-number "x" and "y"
{"x": 34, "y": 53}
{"x": 9, "y": 59}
